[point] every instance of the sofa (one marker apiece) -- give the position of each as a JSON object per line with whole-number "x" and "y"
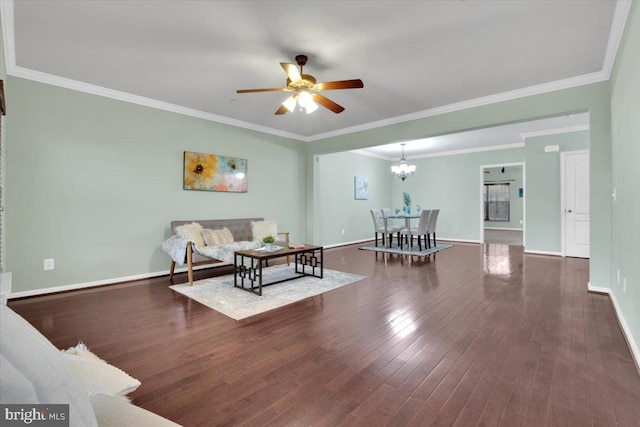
{"x": 245, "y": 233}
{"x": 33, "y": 371}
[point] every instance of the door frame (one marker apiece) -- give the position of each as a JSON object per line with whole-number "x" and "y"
{"x": 524, "y": 198}
{"x": 563, "y": 208}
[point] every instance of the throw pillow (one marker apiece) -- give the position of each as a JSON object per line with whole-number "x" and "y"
{"x": 261, "y": 229}
{"x": 191, "y": 232}
{"x": 98, "y": 376}
{"x": 217, "y": 237}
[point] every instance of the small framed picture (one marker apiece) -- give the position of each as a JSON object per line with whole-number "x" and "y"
{"x": 521, "y": 192}
{"x": 361, "y": 188}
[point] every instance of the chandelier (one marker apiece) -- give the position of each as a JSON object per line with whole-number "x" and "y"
{"x": 403, "y": 171}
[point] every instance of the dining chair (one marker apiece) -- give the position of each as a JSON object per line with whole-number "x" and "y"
{"x": 431, "y": 228}
{"x": 391, "y": 229}
{"x": 378, "y": 225}
{"x": 419, "y": 231}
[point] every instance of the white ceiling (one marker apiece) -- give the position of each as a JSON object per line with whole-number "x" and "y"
{"x": 415, "y": 58}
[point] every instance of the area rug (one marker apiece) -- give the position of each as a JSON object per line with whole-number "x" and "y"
{"x": 395, "y": 249}
{"x": 219, "y": 294}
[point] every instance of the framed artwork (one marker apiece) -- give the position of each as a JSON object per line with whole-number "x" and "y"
{"x": 361, "y": 188}
{"x": 209, "y": 172}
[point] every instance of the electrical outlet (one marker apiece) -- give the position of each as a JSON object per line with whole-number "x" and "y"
{"x": 618, "y": 276}
{"x": 343, "y": 231}
{"x": 49, "y": 264}
{"x": 624, "y": 285}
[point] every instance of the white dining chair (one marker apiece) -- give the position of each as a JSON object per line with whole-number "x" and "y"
{"x": 391, "y": 228}
{"x": 378, "y": 225}
{"x": 431, "y": 228}
{"x": 419, "y": 231}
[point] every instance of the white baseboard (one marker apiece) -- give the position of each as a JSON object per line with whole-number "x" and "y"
{"x": 5, "y": 287}
{"x": 76, "y": 286}
{"x": 542, "y": 253}
{"x": 502, "y": 228}
{"x": 633, "y": 346}
{"x": 458, "y": 240}
{"x": 598, "y": 289}
{"x": 353, "y": 242}
{"x": 85, "y": 285}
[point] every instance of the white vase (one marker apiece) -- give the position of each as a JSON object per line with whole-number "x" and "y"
{"x": 268, "y": 247}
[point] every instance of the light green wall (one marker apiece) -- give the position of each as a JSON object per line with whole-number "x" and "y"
{"x": 594, "y": 98}
{"x": 625, "y": 111}
{"x": 93, "y": 183}
{"x": 337, "y": 208}
{"x": 513, "y": 175}
{"x": 452, "y": 184}
{"x": 449, "y": 183}
{"x": 544, "y": 216}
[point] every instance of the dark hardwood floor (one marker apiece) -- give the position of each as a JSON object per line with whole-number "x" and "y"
{"x": 480, "y": 335}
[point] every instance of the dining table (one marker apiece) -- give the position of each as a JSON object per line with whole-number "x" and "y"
{"x": 407, "y": 223}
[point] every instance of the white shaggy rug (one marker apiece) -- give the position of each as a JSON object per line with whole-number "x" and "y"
{"x": 219, "y": 294}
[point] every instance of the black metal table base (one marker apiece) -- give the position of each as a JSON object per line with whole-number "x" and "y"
{"x": 307, "y": 263}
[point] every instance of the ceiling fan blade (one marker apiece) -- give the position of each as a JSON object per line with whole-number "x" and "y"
{"x": 281, "y": 110}
{"x": 327, "y": 103}
{"x": 271, "y": 89}
{"x": 292, "y": 71}
{"x": 341, "y": 84}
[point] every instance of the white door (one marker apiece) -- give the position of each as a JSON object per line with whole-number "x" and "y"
{"x": 576, "y": 206}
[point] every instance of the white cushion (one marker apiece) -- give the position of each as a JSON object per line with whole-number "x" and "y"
{"x": 98, "y": 376}
{"x": 261, "y": 229}
{"x": 217, "y": 237}
{"x": 32, "y": 370}
{"x": 191, "y": 232}
{"x": 117, "y": 412}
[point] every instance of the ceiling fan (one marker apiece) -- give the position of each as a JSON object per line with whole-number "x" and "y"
{"x": 306, "y": 89}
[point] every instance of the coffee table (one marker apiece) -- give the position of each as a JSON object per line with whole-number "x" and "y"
{"x": 247, "y": 266}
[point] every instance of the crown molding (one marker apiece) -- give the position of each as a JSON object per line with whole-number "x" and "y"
{"x": 471, "y": 150}
{"x": 617, "y": 29}
{"x": 364, "y": 152}
{"x": 370, "y": 154}
{"x": 54, "y": 80}
{"x": 555, "y": 131}
{"x": 618, "y": 24}
{"x": 477, "y": 102}
{"x": 6, "y": 16}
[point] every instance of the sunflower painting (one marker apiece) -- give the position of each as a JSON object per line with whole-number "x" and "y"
{"x": 208, "y": 172}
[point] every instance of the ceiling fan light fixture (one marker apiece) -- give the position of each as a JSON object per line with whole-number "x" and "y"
{"x": 306, "y": 88}
{"x": 305, "y": 100}
{"x": 290, "y": 102}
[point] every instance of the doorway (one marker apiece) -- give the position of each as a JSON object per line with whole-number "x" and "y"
{"x": 502, "y": 204}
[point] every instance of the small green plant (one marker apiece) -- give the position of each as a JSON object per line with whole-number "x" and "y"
{"x": 407, "y": 199}
{"x": 268, "y": 239}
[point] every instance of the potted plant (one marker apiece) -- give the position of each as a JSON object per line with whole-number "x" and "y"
{"x": 268, "y": 243}
{"x": 407, "y": 203}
